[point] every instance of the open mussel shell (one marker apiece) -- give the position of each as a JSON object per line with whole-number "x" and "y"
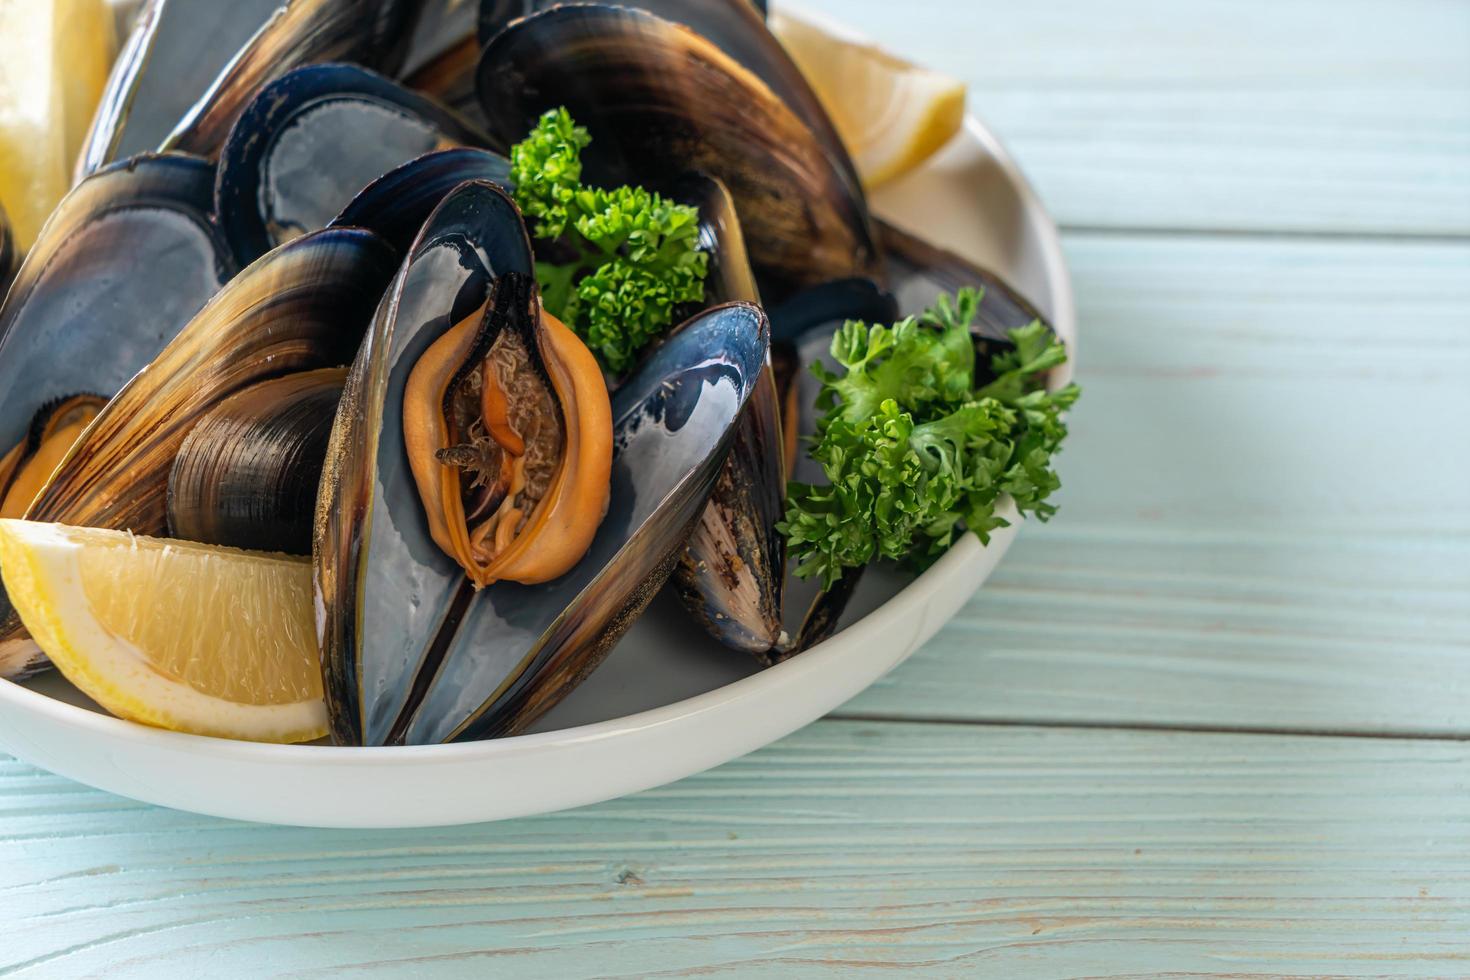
{"x": 374, "y": 33}
{"x": 385, "y": 588}
{"x": 739, "y": 29}
{"x": 300, "y": 307}
{"x": 397, "y": 204}
{"x": 310, "y": 141}
{"x": 660, "y": 100}
{"x": 246, "y": 475}
{"x": 521, "y": 649}
{"x": 175, "y": 49}
{"x": 125, "y": 261}
{"x": 411, "y": 652}
{"x": 54, "y": 428}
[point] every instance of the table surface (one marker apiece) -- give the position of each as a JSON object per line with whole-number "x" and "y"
{"x": 1210, "y": 721}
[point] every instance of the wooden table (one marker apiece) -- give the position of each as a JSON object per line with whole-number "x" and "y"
{"x": 1209, "y": 721}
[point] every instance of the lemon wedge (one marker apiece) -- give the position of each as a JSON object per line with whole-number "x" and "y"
{"x": 892, "y": 114}
{"x": 55, "y": 56}
{"x": 184, "y": 636}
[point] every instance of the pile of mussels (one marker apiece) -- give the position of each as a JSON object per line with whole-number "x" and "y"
{"x": 267, "y": 333}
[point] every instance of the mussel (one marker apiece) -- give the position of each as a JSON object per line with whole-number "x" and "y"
{"x": 660, "y": 100}
{"x": 127, "y": 258}
{"x": 372, "y": 33}
{"x": 427, "y": 637}
{"x": 310, "y": 141}
{"x": 175, "y": 49}
{"x": 246, "y": 475}
{"x": 300, "y": 307}
{"x": 738, "y": 28}
{"x": 124, "y": 262}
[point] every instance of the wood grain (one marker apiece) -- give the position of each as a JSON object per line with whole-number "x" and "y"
{"x": 1265, "y": 521}
{"x": 1319, "y": 116}
{"x": 846, "y": 849}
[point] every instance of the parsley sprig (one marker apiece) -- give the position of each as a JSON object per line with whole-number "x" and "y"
{"x": 635, "y": 254}
{"x": 913, "y": 452}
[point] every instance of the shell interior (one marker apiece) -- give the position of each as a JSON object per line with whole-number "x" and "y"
{"x": 310, "y": 141}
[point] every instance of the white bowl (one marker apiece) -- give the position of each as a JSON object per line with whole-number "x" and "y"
{"x": 667, "y": 703}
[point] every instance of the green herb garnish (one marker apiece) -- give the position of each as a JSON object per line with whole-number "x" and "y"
{"x": 635, "y": 254}
{"x": 913, "y": 451}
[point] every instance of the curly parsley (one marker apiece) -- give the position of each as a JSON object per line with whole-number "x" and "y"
{"x": 913, "y": 452}
{"x": 636, "y": 254}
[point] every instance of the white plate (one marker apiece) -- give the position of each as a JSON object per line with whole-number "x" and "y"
{"x": 667, "y": 703}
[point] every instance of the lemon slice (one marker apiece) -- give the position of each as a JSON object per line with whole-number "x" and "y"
{"x": 892, "y": 114}
{"x": 184, "y": 636}
{"x": 55, "y": 56}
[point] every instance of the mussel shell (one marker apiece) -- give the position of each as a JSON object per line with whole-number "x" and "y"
{"x": 660, "y": 100}
{"x": 521, "y": 649}
{"x": 728, "y": 277}
{"x": 384, "y": 585}
{"x": 247, "y": 474}
{"x": 397, "y": 204}
{"x": 738, "y": 28}
{"x": 127, "y": 258}
{"x": 732, "y": 568}
{"x": 374, "y": 33}
{"x": 301, "y": 307}
{"x": 310, "y": 141}
{"x": 175, "y": 50}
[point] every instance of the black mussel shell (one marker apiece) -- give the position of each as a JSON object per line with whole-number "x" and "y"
{"x": 174, "y": 52}
{"x": 661, "y": 100}
{"x": 246, "y": 475}
{"x": 126, "y": 260}
{"x": 372, "y": 33}
{"x": 397, "y": 204}
{"x": 738, "y": 28}
{"x": 310, "y": 141}
{"x": 385, "y": 587}
{"x": 411, "y": 653}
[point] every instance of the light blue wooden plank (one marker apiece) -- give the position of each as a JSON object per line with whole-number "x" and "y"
{"x": 848, "y": 848}
{"x": 1308, "y": 115}
{"x": 1265, "y": 520}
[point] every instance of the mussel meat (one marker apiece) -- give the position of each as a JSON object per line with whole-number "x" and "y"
{"x": 246, "y": 475}
{"x": 27, "y": 466}
{"x": 508, "y": 433}
{"x": 310, "y": 141}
